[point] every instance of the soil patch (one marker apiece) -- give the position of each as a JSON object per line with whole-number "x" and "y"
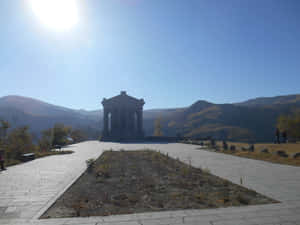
{"x": 123, "y": 182}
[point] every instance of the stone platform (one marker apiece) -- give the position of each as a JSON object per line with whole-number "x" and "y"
{"x": 28, "y": 189}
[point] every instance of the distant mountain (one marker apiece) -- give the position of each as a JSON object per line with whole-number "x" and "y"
{"x": 151, "y": 115}
{"x": 32, "y": 106}
{"x": 38, "y": 108}
{"x": 252, "y": 120}
{"x": 38, "y": 115}
{"x": 271, "y": 101}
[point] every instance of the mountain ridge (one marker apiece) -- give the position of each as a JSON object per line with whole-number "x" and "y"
{"x": 264, "y": 101}
{"x": 251, "y": 120}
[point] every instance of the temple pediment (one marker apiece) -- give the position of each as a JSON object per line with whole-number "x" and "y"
{"x": 123, "y": 100}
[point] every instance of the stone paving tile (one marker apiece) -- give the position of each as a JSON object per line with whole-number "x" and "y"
{"x": 288, "y": 223}
{"x": 34, "y": 186}
{"x": 266, "y": 219}
{"x": 31, "y": 185}
{"x": 119, "y": 223}
{"x": 198, "y": 219}
{"x": 162, "y": 221}
{"x": 233, "y": 222}
{"x": 2, "y": 210}
{"x": 291, "y": 218}
{"x": 144, "y": 216}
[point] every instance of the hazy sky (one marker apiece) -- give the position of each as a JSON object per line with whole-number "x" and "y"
{"x": 169, "y": 52}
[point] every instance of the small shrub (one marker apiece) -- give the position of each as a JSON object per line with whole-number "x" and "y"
{"x": 148, "y": 182}
{"x": 90, "y": 163}
{"x": 243, "y": 199}
{"x": 175, "y": 195}
{"x": 185, "y": 171}
{"x": 226, "y": 183}
{"x": 265, "y": 150}
{"x": 282, "y": 153}
{"x": 200, "y": 197}
{"x": 212, "y": 142}
{"x": 251, "y": 148}
{"x": 155, "y": 157}
{"x": 244, "y": 149}
{"x": 133, "y": 198}
{"x": 103, "y": 171}
{"x": 206, "y": 170}
{"x": 296, "y": 155}
{"x": 79, "y": 206}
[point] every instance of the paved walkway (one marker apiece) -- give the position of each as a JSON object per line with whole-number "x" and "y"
{"x": 27, "y": 190}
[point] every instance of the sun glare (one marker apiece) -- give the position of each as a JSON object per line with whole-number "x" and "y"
{"x": 56, "y": 14}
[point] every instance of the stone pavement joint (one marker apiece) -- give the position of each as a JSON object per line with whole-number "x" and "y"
{"x": 28, "y": 190}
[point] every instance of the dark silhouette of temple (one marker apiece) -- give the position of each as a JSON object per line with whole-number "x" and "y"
{"x": 123, "y": 118}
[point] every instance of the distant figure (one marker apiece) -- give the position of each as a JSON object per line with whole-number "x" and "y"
{"x": 284, "y": 137}
{"x": 2, "y": 160}
{"x": 277, "y": 134}
{"x": 225, "y": 145}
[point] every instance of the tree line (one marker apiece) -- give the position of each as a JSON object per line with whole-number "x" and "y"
{"x": 291, "y": 124}
{"x": 288, "y": 124}
{"x": 15, "y": 142}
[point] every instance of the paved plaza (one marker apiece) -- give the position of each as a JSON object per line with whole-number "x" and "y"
{"x": 27, "y": 190}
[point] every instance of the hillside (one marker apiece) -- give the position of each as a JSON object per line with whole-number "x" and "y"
{"x": 38, "y": 115}
{"x": 252, "y": 120}
{"x": 272, "y": 101}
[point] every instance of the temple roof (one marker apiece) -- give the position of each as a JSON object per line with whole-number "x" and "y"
{"x": 123, "y": 99}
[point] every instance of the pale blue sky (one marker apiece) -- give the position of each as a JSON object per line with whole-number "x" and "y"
{"x": 169, "y": 52}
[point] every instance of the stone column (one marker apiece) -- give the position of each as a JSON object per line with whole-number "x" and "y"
{"x": 112, "y": 121}
{"x": 121, "y": 122}
{"x": 140, "y": 122}
{"x": 105, "y": 122}
{"x": 115, "y": 122}
{"x": 116, "y": 119}
{"x": 126, "y": 123}
{"x": 131, "y": 121}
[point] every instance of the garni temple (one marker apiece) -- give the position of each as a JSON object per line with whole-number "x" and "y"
{"x": 123, "y": 118}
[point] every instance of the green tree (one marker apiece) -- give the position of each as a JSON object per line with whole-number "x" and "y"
{"x": 157, "y": 128}
{"x": 60, "y": 134}
{"x": 19, "y": 142}
{"x": 45, "y": 143}
{"x": 78, "y": 135}
{"x": 290, "y": 124}
{"x": 3, "y": 131}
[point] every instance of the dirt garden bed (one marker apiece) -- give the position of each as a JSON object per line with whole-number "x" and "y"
{"x": 124, "y": 182}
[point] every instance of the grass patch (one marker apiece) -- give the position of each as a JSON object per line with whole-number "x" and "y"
{"x": 271, "y": 156}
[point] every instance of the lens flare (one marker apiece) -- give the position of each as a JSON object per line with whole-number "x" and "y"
{"x": 56, "y": 14}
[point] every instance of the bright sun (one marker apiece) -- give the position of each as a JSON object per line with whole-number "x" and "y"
{"x": 56, "y": 14}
